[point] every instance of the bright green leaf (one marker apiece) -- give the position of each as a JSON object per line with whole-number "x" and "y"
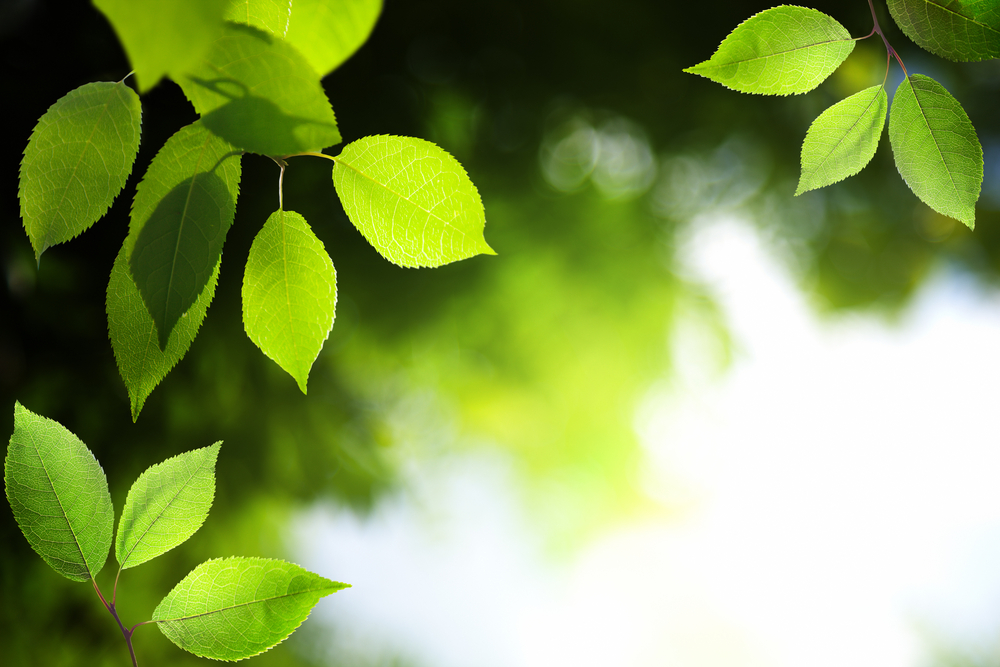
{"x": 959, "y": 30}
{"x": 779, "y": 51}
{"x": 328, "y": 32}
{"x": 234, "y": 608}
{"x": 289, "y": 294}
{"x": 163, "y": 36}
{"x": 259, "y": 93}
{"x": 141, "y": 363}
{"x": 936, "y": 148}
{"x": 166, "y": 506}
{"x": 843, "y": 139}
{"x": 78, "y": 158}
{"x": 182, "y": 210}
{"x": 268, "y": 15}
{"x": 411, "y": 200}
{"x": 59, "y": 496}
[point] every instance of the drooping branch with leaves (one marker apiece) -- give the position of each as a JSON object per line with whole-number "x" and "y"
{"x": 790, "y": 50}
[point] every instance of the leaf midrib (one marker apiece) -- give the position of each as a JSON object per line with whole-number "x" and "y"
{"x": 851, "y": 129}
{"x": 707, "y": 64}
{"x": 180, "y": 619}
{"x": 937, "y": 146}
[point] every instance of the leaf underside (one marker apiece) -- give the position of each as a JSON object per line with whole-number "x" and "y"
{"x": 780, "y": 51}
{"x": 328, "y": 32}
{"x": 411, "y": 200}
{"x": 843, "y": 139}
{"x": 163, "y": 36}
{"x": 260, "y": 94}
{"x": 141, "y": 362}
{"x": 235, "y": 608}
{"x": 289, "y": 294}
{"x": 267, "y": 15}
{"x": 59, "y": 496}
{"x": 77, "y": 160}
{"x": 936, "y": 148}
{"x": 182, "y": 210}
{"x": 166, "y": 506}
{"x": 958, "y": 30}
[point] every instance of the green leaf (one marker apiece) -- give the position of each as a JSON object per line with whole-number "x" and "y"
{"x": 936, "y": 148}
{"x": 268, "y": 15}
{"x": 289, "y": 294}
{"x": 328, "y": 32}
{"x": 259, "y": 93}
{"x": 59, "y": 496}
{"x": 235, "y": 608}
{"x": 843, "y": 139}
{"x": 166, "y": 506}
{"x": 141, "y": 363}
{"x": 163, "y": 36}
{"x": 77, "y": 160}
{"x": 182, "y": 210}
{"x": 958, "y": 30}
{"x": 779, "y": 51}
{"x": 411, "y": 200}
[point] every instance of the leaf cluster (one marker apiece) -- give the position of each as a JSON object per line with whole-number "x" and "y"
{"x": 790, "y": 50}
{"x": 226, "y": 609}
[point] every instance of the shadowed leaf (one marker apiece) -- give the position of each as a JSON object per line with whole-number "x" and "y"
{"x": 961, "y": 30}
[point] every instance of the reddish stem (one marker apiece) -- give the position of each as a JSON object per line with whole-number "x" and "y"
{"x": 114, "y": 614}
{"x": 878, "y": 29}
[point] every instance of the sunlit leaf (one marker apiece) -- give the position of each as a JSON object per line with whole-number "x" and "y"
{"x": 268, "y": 15}
{"x": 59, "y": 496}
{"x": 77, "y": 160}
{"x": 259, "y": 93}
{"x": 234, "y": 608}
{"x": 843, "y": 139}
{"x": 141, "y": 362}
{"x": 936, "y": 148}
{"x": 779, "y": 51}
{"x": 163, "y": 36}
{"x": 182, "y": 210}
{"x": 962, "y": 30}
{"x": 327, "y": 32}
{"x": 289, "y": 294}
{"x": 411, "y": 200}
{"x": 166, "y": 506}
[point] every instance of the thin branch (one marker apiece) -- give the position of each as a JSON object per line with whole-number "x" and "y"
{"x": 877, "y": 28}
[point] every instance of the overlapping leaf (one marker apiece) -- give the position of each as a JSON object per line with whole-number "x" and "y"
{"x": 260, "y": 94}
{"x": 182, "y": 210}
{"x": 936, "y": 148}
{"x": 77, "y": 160}
{"x": 780, "y": 51}
{"x": 141, "y": 362}
{"x": 843, "y": 139}
{"x": 166, "y": 506}
{"x": 235, "y": 608}
{"x": 327, "y": 32}
{"x": 962, "y": 30}
{"x": 59, "y": 496}
{"x": 411, "y": 200}
{"x": 289, "y": 294}
{"x": 163, "y": 36}
{"x": 268, "y": 15}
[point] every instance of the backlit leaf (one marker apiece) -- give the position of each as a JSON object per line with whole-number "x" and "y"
{"x": 268, "y": 15}
{"x": 327, "y": 32}
{"x": 411, "y": 200}
{"x": 182, "y": 210}
{"x": 163, "y": 36}
{"x": 166, "y": 506}
{"x": 141, "y": 362}
{"x": 289, "y": 294}
{"x": 257, "y": 92}
{"x": 235, "y": 608}
{"x": 59, "y": 496}
{"x": 77, "y": 160}
{"x": 962, "y": 30}
{"x": 936, "y": 148}
{"x": 843, "y": 139}
{"x": 779, "y": 51}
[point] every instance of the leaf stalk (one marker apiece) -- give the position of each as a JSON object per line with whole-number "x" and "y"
{"x": 878, "y": 29}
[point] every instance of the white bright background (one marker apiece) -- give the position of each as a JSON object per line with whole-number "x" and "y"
{"x": 831, "y": 499}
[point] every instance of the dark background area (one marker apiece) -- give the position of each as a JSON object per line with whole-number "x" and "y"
{"x": 514, "y": 68}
